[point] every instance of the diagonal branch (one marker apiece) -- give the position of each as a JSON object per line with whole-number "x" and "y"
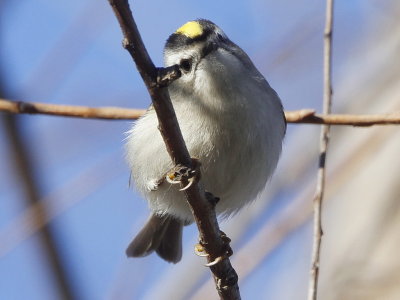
{"x": 224, "y": 275}
{"x": 324, "y": 140}
{"x": 303, "y": 116}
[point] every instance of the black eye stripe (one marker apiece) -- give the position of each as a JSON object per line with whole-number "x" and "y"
{"x": 210, "y": 47}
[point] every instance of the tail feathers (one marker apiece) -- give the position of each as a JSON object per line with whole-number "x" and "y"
{"x": 170, "y": 247}
{"x": 162, "y": 234}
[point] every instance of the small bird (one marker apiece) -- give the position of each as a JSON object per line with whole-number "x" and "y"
{"x": 232, "y": 122}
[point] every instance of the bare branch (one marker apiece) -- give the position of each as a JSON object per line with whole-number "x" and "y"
{"x": 303, "y": 116}
{"x": 324, "y": 140}
{"x": 307, "y": 116}
{"x": 224, "y": 275}
{"x": 20, "y": 107}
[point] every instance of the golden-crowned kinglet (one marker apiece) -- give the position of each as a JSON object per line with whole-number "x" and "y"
{"x": 231, "y": 120}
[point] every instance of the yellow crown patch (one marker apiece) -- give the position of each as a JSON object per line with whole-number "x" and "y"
{"x": 191, "y": 29}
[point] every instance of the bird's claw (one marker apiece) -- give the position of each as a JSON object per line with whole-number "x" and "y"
{"x": 180, "y": 173}
{"x": 216, "y": 261}
{"x": 201, "y": 251}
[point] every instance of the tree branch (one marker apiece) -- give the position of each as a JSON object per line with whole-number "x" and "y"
{"x": 305, "y": 116}
{"x": 308, "y": 116}
{"x": 224, "y": 275}
{"x": 20, "y": 107}
{"x": 324, "y": 141}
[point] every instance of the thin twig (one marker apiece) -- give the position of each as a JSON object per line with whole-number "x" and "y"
{"x": 21, "y": 107}
{"x": 224, "y": 275}
{"x": 324, "y": 140}
{"x": 305, "y": 116}
{"x": 301, "y": 116}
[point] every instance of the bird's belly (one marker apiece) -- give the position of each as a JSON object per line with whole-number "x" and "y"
{"x": 235, "y": 164}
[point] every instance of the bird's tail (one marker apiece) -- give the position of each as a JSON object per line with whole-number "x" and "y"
{"x": 162, "y": 234}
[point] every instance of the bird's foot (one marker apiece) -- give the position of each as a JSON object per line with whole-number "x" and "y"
{"x": 212, "y": 199}
{"x": 182, "y": 174}
{"x": 200, "y": 250}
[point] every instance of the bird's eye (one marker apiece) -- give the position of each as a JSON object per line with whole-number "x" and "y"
{"x": 186, "y": 65}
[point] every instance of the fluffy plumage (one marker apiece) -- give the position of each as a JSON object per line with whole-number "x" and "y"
{"x": 231, "y": 120}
